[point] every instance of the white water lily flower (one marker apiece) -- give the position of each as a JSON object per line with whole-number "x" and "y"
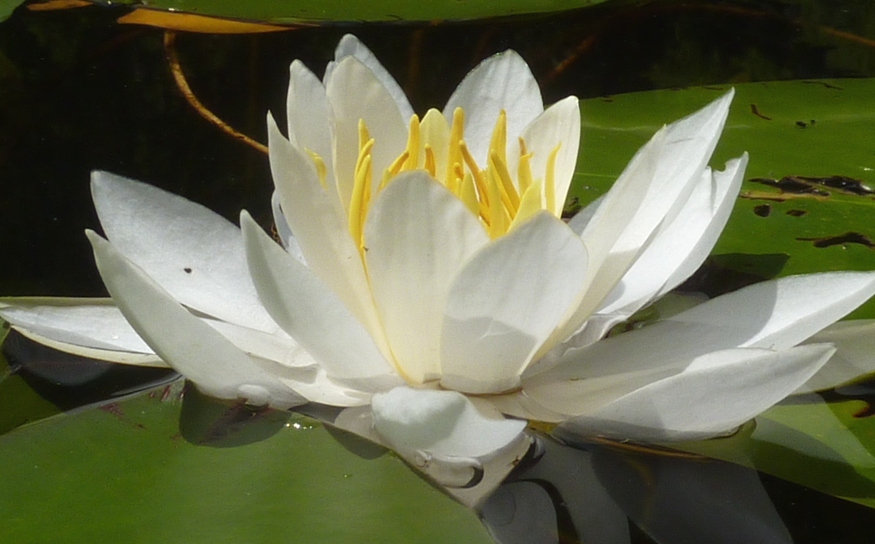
{"x": 429, "y": 284}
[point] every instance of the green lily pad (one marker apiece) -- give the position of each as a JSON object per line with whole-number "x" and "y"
{"x": 829, "y": 447}
{"x": 123, "y": 473}
{"x": 19, "y": 404}
{"x": 812, "y": 163}
{"x": 7, "y": 7}
{"x": 336, "y": 11}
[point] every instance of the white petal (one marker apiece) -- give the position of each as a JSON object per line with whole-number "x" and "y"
{"x": 313, "y": 315}
{"x": 196, "y": 255}
{"x": 855, "y": 356}
{"x": 185, "y": 342}
{"x": 781, "y": 313}
{"x": 506, "y": 301}
{"x": 316, "y": 217}
{"x": 93, "y": 323}
{"x": 652, "y": 189}
{"x": 559, "y": 124}
{"x": 309, "y": 115}
{"x": 443, "y": 423}
{"x": 350, "y": 46}
{"x": 503, "y": 81}
{"x": 417, "y": 236}
{"x": 356, "y": 94}
{"x": 776, "y": 315}
{"x": 718, "y": 392}
{"x": 680, "y": 246}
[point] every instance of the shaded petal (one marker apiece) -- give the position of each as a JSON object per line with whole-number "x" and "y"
{"x": 652, "y": 188}
{"x": 279, "y": 347}
{"x": 111, "y": 356}
{"x": 189, "y": 345}
{"x": 855, "y": 354}
{"x": 355, "y": 94}
{"x": 313, "y": 315}
{"x": 712, "y": 396}
{"x": 316, "y": 217}
{"x": 506, "y": 301}
{"x": 92, "y": 323}
{"x": 309, "y": 115}
{"x": 442, "y": 423}
{"x": 191, "y": 252}
{"x": 682, "y": 245}
{"x": 418, "y": 235}
{"x": 283, "y": 230}
{"x": 350, "y": 46}
{"x": 559, "y": 124}
{"x": 503, "y": 81}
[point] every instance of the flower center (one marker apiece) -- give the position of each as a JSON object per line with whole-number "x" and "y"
{"x": 498, "y": 199}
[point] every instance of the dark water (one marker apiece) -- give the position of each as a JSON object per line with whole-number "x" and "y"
{"x": 79, "y": 92}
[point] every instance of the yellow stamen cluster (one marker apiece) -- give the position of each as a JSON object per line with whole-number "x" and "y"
{"x": 489, "y": 193}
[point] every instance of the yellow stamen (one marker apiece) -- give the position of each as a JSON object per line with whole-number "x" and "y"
{"x": 530, "y": 204}
{"x": 394, "y": 169}
{"x": 524, "y": 168}
{"x": 508, "y": 192}
{"x": 412, "y": 150}
{"x": 498, "y": 142}
{"x": 430, "y": 165}
{"x": 454, "y": 152}
{"x": 320, "y": 166}
{"x": 468, "y": 194}
{"x": 360, "y": 198}
{"x": 479, "y": 179}
{"x": 497, "y": 217}
{"x": 549, "y": 183}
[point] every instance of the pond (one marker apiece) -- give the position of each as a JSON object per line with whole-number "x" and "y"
{"x": 82, "y": 92}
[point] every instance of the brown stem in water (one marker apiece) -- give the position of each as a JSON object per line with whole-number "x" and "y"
{"x": 182, "y": 85}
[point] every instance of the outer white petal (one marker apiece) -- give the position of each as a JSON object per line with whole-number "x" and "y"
{"x": 194, "y": 254}
{"x": 355, "y": 94}
{"x": 316, "y": 217}
{"x": 776, "y": 315}
{"x": 652, "y": 189}
{"x": 712, "y": 396}
{"x": 189, "y": 345}
{"x": 682, "y": 245}
{"x": 506, "y": 301}
{"x": 350, "y": 46}
{"x": 313, "y": 315}
{"x": 92, "y": 323}
{"x": 855, "y": 356}
{"x": 558, "y": 125}
{"x": 310, "y": 119}
{"x": 782, "y": 313}
{"x": 441, "y": 423}
{"x": 503, "y": 81}
{"x": 417, "y": 235}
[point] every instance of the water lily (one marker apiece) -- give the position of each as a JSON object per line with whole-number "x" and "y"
{"x": 428, "y": 284}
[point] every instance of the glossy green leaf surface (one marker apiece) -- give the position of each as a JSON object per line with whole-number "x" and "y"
{"x": 823, "y": 131}
{"x": 123, "y": 473}
{"x": 337, "y": 11}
